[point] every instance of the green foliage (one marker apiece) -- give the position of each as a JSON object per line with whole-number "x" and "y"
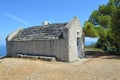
{"x": 102, "y": 16}
{"x": 93, "y": 18}
{"x": 115, "y": 29}
{"x": 102, "y": 32}
{"x": 106, "y": 22}
{"x": 90, "y": 30}
{"x": 117, "y": 3}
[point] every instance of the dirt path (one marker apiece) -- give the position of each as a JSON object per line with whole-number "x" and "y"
{"x": 101, "y": 68}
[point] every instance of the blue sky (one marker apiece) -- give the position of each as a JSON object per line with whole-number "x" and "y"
{"x": 26, "y": 13}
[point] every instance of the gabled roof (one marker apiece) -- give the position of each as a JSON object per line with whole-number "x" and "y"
{"x": 50, "y": 31}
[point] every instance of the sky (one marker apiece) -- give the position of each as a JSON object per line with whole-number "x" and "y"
{"x": 26, "y": 13}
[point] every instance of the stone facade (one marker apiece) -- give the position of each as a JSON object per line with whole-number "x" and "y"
{"x": 65, "y": 41}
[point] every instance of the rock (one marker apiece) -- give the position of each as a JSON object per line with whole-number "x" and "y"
{"x": 53, "y": 59}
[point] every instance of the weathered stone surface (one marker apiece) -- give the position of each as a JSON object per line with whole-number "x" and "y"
{"x": 48, "y": 58}
{"x": 59, "y": 40}
{"x": 50, "y": 31}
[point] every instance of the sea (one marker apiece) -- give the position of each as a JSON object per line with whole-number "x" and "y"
{"x": 2, "y": 50}
{"x": 88, "y": 41}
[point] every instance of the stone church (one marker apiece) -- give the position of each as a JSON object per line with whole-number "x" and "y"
{"x": 64, "y": 41}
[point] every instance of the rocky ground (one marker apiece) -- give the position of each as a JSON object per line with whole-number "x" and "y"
{"x": 97, "y": 68}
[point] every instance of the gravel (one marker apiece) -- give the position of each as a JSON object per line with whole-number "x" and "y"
{"x": 99, "y": 68}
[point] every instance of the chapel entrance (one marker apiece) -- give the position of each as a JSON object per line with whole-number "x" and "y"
{"x": 78, "y": 47}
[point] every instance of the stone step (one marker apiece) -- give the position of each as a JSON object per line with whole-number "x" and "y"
{"x": 48, "y": 58}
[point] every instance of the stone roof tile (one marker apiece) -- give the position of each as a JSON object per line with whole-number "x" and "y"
{"x": 50, "y": 31}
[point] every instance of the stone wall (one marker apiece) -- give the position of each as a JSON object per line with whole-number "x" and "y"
{"x": 75, "y": 30}
{"x": 10, "y": 36}
{"x": 57, "y": 48}
{"x": 64, "y": 49}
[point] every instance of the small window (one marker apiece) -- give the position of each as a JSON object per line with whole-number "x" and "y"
{"x": 61, "y": 35}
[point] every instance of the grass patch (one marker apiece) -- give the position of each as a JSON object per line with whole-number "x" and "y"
{"x": 92, "y": 49}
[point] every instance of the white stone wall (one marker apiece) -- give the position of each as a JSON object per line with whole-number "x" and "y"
{"x": 63, "y": 49}
{"x": 55, "y": 47}
{"x": 74, "y": 27}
